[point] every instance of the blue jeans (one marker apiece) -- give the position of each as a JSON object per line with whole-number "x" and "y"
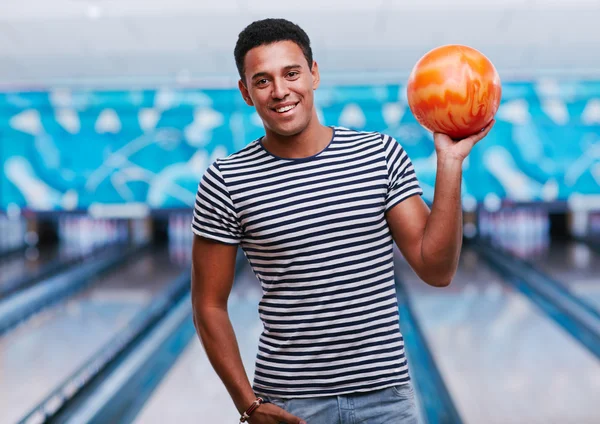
{"x": 394, "y": 405}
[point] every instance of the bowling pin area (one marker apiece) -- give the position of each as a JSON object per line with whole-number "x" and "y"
{"x": 524, "y": 232}
{"x": 12, "y": 230}
{"x": 96, "y": 322}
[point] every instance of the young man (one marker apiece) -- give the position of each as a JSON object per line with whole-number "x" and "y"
{"x": 316, "y": 210}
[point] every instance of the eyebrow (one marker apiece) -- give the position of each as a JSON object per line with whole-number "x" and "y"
{"x": 287, "y": 68}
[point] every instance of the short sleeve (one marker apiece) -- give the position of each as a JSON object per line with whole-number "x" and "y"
{"x": 402, "y": 180}
{"x": 214, "y": 212}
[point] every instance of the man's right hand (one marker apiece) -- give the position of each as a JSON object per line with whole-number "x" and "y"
{"x": 267, "y": 413}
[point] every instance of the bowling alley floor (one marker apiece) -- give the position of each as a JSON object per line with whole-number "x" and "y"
{"x": 42, "y": 352}
{"x": 24, "y": 265}
{"x": 502, "y": 359}
{"x": 575, "y": 265}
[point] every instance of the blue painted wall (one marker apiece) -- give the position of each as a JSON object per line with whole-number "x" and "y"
{"x": 72, "y": 149}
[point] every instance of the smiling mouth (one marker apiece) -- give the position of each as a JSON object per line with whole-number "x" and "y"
{"x": 285, "y": 108}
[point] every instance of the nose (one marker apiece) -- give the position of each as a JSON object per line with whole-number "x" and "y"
{"x": 280, "y": 89}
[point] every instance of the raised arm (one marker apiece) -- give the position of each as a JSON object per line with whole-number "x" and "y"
{"x": 431, "y": 240}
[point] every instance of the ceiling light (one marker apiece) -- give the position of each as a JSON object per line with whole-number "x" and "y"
{"x": 94, "y": 11}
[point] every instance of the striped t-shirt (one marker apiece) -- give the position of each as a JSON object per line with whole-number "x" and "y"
{"x": 315, "y": 233}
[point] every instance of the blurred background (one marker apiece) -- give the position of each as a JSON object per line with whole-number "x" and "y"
{"x": 110, "y": 111}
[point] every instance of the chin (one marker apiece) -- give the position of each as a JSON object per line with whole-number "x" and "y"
{"x": 288, "y": 132}
{"x": 290, "y": 129}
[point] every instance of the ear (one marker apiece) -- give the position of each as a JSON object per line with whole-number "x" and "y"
{"x": 245, "y": 93}
{"x": 315, "y": 74}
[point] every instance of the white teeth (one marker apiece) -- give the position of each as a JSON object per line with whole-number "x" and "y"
{"x": 285, "y": 109}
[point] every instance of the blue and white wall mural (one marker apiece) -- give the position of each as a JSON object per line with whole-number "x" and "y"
{"x": 69, "y": 150}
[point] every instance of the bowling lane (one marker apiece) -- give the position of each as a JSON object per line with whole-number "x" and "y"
{"x": 575, "y": 265}
{"x": 192, "y": 389}
{"x": 33, "y": 261}
{"x": 41, "y": 353}
{"x": 501, "y": 358}
{"x": 27, "y": 264}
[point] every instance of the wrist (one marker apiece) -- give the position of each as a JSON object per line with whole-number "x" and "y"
{"x": 247, "y": 413}
{"x": 449, "y": 164}
{"x": 245, "y": 402}
{"x": 449, "y": 160}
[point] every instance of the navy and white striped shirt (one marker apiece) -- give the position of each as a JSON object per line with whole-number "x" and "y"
{"x": 315, "y": 233}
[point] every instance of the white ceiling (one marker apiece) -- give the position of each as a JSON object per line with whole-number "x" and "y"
{"x": 148, "y": 42}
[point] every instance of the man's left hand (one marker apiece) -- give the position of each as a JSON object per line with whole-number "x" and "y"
{"x": 446, "y": 148}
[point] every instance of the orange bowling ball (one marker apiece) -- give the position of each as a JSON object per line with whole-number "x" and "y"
{"x": 454, "y": 90}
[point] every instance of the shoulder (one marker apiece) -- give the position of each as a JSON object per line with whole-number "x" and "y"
{"x": 387, "y": 141}
{"x": 220, "y": 167}
{"x": 343, "y": 134}
{"x": 233, "y": 161}
{"x": 241, "y": 156}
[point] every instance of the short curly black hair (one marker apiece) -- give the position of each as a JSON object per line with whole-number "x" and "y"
{"x": 267, "y": 31}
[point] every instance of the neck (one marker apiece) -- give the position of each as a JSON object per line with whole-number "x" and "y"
{"x": 312, "y": 140}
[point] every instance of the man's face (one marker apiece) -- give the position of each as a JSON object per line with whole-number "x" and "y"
{"x": 280, "y": 84}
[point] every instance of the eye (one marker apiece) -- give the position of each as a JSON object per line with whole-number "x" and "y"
{"x": 293, "y": 74}
{"x": 262, "y": 81}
